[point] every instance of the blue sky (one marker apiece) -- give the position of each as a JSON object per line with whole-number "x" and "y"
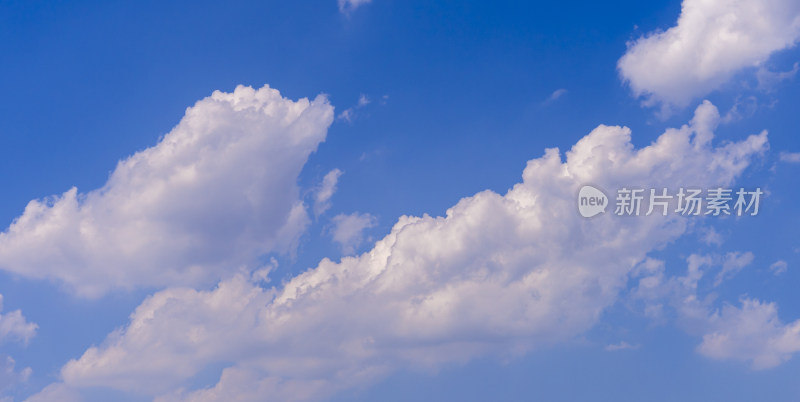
{"x": 425, "y": 106}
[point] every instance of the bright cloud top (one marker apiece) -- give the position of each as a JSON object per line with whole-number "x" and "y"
{"x": 212, "y": 195}
{"x": 713, "y": 40}
{"x": 497, "y": 276}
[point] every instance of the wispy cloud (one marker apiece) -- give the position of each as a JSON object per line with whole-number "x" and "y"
{"x": 350, "y": 113}
{"x": 621, "y": 346}
{"x": 348, "y": 6}
{"x": 732, "y": 263}
{"x": 348, "y": 230}
{"x": 711, "y": 237}
{"x": 790, "y": 157}
{"x": 768, "y": 80}
{"x": 779, "y": 267}
{"x": 554, "y": 96}
{"x": 324, "y": 192}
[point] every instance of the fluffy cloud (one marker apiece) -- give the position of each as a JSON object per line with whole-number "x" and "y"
{"x": 751, "y": 333}
{"x": 14, "y": 326}
{"x": 497, "y": 275}
{"x": 348, "y": 230}
{"x": 213, "y": 194}
{"x": 9, "y": 376}
{"x": 712, "y": 41}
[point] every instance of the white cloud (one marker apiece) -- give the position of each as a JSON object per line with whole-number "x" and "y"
{"x": 742, "y": 107}
{"x": 350, "y": 113}
{"x": 778, "y": 267}
{"x": 732, "y": 264}
{"x": 237, "y": 384}
{"x": 790, "y": 157}
{"x": 213, "y": 194}
{"x": 9, "y": 376}
{"x": 712, "y": 41}
{"x": 497, "y": 276}
{"x": 56, "y": 392}
{"x": 348, "y": 230}
{"x": 752, "y": 333}
{"x": 14, "y": 326}
{"x": 209, "y": 324}
{"x": 348, "y": 6}
{"x": 363, "y": 100}
{"x": 323, "y": 194}
{"x": 768, "y": 80}
{"x": 346, "y": 115}
{"x": 711, "y": 237}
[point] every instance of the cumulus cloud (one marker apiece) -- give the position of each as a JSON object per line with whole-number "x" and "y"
{"x": 14, "y": 326}
{"x": 348, "y": 230}
{"x": 712, "y": 41}
{"x": 216, "y": 192}
{"x": 751, "y": 332}
{"x": 323, "y": 194}
{"x": 496, "y": 276}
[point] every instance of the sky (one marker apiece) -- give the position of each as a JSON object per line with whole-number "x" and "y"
{"x": 360, "y": 200}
